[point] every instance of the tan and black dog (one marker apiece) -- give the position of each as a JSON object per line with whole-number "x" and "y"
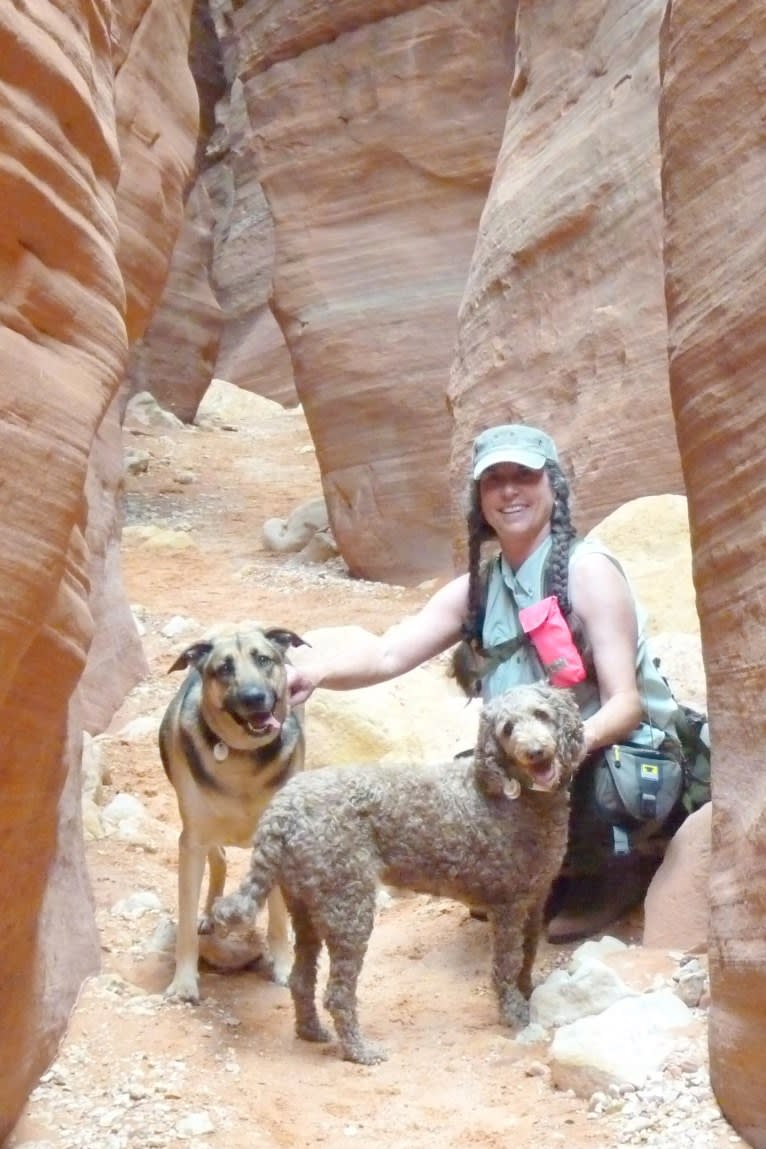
{"x": 228, "y": 741}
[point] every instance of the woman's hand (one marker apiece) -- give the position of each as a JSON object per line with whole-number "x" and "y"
{"x": 373, "y": 658}
{"x": 300, "y": 685}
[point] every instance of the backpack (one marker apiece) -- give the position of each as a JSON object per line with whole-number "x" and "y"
{"x": 694, "y": 736}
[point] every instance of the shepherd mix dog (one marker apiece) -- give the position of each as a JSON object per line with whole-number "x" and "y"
{"x": 228, "y": 741}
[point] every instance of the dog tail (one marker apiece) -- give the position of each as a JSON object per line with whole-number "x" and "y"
{"x": 265, "y": 863}
{"x": 263, "y": 875}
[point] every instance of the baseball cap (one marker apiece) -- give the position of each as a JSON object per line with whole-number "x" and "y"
{"x": 512, "y": 443}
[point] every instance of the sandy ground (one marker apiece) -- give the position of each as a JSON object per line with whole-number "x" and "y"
{"x": 138, "y": 1071}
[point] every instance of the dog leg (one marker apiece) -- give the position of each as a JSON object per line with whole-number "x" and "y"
{"x": 532, "y": 930}
{"x": 303, "y": 978}
{"x": 216, "y": 860}
{"x": 346, "y": 948}
{"x": 508, "y": 939}
{"x": 278, "y": 938}
{"x": 191, "y": 869}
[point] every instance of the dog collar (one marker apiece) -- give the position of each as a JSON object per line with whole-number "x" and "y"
{"x": 512, "y": 788}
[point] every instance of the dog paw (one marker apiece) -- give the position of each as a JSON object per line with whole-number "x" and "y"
{"x": 205, "y": 925}
{"x": 312, "y": 1031}
{"x": 364, "y": 1053}
{"x": 280, "y": 966}
{"x": 183, "y": 988}
{"x": 514, "y": 1008}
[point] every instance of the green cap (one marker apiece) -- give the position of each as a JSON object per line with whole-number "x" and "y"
{"x": 512, "y": 443}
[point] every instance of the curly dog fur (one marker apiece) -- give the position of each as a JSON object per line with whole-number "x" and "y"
{"x": 489, "y": 831}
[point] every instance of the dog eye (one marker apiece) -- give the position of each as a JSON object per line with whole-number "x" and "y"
{"x": 541, "y": 715}
{"x": 224, "y": 669}
{"x": 262, "y": 660}
{"x": 506, "y": 729}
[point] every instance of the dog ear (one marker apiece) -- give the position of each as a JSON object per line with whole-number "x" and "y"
{"x": 491, "y": 779}
{"x": 284, "y": 638}
{"x": 572, "y": 734}
{"x": 490, "y": 776}
{"x": 192, "y": 656}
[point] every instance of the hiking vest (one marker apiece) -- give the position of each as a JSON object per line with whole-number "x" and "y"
{"x": 513, "y": 661}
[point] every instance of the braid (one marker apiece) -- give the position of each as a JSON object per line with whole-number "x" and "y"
{"x": 478, "y": 533}
{"x": 563, "y": 534}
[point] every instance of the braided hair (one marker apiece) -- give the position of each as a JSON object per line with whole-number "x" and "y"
{"x": 563, "y": 534}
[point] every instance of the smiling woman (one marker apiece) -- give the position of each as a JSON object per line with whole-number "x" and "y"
{"x": 517, "y": 505}
{"x": 519, "y": 502}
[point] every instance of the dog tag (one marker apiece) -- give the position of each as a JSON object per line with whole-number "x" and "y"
{"x": 220, "y": 751}
{"x": 512, "y": 788}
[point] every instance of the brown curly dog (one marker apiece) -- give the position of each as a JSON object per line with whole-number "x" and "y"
{"x": 489, "y": 831}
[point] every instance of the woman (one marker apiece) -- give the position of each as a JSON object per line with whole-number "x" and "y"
{"x": 519, "y": 497}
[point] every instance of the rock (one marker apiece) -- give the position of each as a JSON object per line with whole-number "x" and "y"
{"x": 177, "y": 625}
{"x": 587, "y": 988}
{"x": 677, "y": 903}
{"x": 143, "y": 414}
{"x": 624, "y": 1044}
{"x": 140, "y": 727}
{"x": 123, "y": 807}
{"x": 138, "y": 904}
{"x": 321, "y": 548}
{"x": 385, "y": 723}
{"x": 225, "y": 404}
{"x": 137, "y": 462}
{"x": 295, "y": 532}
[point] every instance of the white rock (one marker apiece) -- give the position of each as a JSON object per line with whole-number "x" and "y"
{"x": 136, "y": 905}
{"x": 123, "y": 807}
{"x": 164, "y": 937}
{"x": 564, "y": 997}
{"x": 140, "y": 727}
{"x": 531, "y": 1034}
{"x": 137, "y": 462}
{"x": 626, "y": 1043}
{"x": 143, "y": 413}
{"x": 597, "y": 949}
{"x": 177, "y": 625}
{"x": 195, "y": 1125}
{"x": 92, "y": 768}
{"x": 690, "y": 986}
{"x": 140, "y": 625}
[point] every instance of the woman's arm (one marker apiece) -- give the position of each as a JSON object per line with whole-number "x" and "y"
{"x": 378, "y": 657}
{"x": 602, "y": 600}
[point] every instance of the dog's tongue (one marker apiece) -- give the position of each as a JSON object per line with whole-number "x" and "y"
{"x": 262, "y": 724}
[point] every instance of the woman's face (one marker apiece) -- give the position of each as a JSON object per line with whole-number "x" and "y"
{"x": 517, "y": 503}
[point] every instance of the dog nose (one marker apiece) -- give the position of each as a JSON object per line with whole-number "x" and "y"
{"x": 536, "y": 753}
{"x": 255, "y": 699}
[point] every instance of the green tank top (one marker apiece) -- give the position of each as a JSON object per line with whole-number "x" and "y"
{"x": 508, "y": 591}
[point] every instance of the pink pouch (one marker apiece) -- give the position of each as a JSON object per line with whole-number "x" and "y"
{"x": 548, "y": 632}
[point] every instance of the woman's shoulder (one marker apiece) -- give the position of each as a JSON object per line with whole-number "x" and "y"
{"x": 583, "y": 549}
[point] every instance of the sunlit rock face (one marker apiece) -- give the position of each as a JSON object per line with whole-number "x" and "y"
{"x": 563, "y": 321}
{"x": 86, "y": 241}
{"x": 373, "y": 129}
{"x": 711, "y": 125}
{"x": 253, "y": 353}
{"x": 176, "y": 356}
{"x": 116, "y": 659}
